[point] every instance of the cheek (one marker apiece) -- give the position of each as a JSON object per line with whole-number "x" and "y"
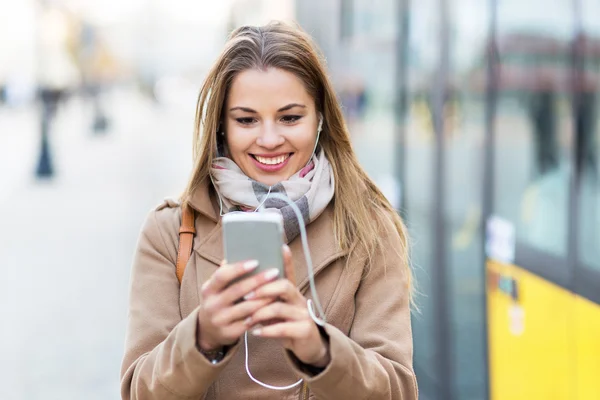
{"x": 237, "y": 142}
{"x": 301, "y": 137}
{"x": 304, "y": 143}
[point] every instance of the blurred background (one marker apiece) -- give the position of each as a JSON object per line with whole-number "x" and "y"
{"x": 477, "y": 118}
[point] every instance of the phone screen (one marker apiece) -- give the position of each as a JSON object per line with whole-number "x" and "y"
{"x": 254, "y": 236}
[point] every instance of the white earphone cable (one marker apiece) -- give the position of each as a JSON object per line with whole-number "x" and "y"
{"x": 319, "y": 320}
{"x": 265, "y": 385}
{"x": 319, "y": 128}
{"x": 265, "y": 199}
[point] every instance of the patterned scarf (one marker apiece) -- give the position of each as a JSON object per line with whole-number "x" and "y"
{"x": 311, "y": 189}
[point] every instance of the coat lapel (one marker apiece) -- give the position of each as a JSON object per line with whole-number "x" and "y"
{"x": 323, "y": 248}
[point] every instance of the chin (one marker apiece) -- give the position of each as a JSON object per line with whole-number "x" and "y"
{"x": 270, "y": 180}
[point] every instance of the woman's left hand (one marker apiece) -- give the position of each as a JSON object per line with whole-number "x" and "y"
{"x": 288, "y": 319}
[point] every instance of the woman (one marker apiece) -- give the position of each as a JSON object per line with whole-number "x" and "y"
{"x": 258, "y": 123}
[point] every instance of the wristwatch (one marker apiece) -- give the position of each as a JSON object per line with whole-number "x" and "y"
{"x": 214, "y": 356}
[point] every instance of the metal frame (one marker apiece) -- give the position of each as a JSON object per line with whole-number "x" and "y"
{"x": 491, "y": 95}
{"x": 439, "y": 275}
{"x": 400, "y": 104}
{"x": 587, "y": 281}
{"x": 553, "y": 268}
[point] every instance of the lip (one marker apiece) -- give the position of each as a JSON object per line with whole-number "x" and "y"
{"x": 272, "y": 155}
{"x": 271, "y": 168}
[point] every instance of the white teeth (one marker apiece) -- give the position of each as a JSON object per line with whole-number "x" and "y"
{"x": 272, "y": 160}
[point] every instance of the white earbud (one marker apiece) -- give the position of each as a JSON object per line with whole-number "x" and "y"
{"x": 319, "y": 129}
{"x": 320, "y": 123}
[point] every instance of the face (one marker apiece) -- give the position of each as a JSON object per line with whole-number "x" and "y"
{"x": 270, "y": 124}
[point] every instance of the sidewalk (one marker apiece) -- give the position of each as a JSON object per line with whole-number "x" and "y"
{"x": 66, "y": 245}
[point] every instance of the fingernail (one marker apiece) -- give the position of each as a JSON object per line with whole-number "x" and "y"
{"x": 272, "y": 273}
{"x": 250, "y": 265}
{"x": 248, "y": 321}
{"x": 256, "y": 332}
{"x": 250, "y": 295}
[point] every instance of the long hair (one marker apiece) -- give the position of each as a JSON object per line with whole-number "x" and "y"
{"x": 361, "y": 211}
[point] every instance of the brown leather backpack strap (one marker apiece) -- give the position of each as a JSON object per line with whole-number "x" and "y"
{"x": 187, "y": 230}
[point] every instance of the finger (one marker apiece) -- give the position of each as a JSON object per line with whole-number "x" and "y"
{"x": 240, "y": 311}
{"x": 281, "y": 288}
{"x": 295, "y": 330}
{"x": 290, "y": 272}
{"x": 225, "y": 274}
{"x": 242, "y": 288}
{"x": 233, "y": 332}
{"x": 278, "y": 311}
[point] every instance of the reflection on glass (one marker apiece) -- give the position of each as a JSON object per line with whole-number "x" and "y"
{"x": 421, "y": 66}
{"x": 374, "y": 18}
{"x": 346, "y": 23}
{"x": 463, "y": 174}
{"x": 366, "y": 87}
{"x": 534, "y": 123}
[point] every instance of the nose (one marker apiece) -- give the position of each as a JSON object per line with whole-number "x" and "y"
{"x": 269, "y": 138}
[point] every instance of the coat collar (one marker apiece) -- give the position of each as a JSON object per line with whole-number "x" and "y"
{"x": 323, "y": 246}
{"x": 204, "y": 200}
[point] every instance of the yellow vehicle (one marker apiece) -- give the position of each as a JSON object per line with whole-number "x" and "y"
{"x": 543, "y": 271}
{"x": 544, "y": 339}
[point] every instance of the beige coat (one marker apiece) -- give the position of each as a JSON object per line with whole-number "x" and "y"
{"x": 368, "y": 320}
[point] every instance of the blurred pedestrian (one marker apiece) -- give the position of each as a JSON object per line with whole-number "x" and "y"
{"x": 268, "y": 121}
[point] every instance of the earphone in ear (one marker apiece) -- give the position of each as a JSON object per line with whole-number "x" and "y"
{"x": 320, "y": 123}
{"x": 319, "y": 129}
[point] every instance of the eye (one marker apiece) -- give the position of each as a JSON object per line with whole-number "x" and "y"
{"x": 245, "y": 121}
{"x": 290, "y": 119}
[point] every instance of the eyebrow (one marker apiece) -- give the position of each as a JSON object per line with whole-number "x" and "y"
{"x": 284, "y": 108}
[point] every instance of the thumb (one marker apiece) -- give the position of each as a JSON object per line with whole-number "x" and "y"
{"x": 288, "y": 264}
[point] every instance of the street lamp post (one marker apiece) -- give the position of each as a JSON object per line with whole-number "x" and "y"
{"x": 50, "y": 98}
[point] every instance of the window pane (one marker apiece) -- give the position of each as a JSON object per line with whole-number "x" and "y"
{"x": 346, "y": 22}
{"x": 463, "y": 173}
{"x": 367, "y": 83}
{"x": 422, "y": 50}
{"x": 375, "y": 18}
{"x": 533, "y": 121}
{"x": 589, "y": 140}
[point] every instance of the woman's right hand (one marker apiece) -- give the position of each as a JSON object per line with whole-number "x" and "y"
{"x": 221, "y": 317}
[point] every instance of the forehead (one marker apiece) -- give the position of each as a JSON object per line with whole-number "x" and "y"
{"x": 265, "y": 89}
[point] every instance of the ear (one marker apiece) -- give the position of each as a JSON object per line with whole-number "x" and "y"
{"x": 221, "y": 144}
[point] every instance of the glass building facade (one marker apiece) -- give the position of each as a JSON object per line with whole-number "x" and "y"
{"x": 464, "y": 111}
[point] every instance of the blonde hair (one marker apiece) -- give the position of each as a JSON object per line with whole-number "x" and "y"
{"x": 361, "y": 211}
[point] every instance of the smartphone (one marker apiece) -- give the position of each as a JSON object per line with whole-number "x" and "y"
{"x": 254, "y": 236}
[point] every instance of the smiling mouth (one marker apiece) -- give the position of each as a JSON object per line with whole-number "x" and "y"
{"x": 271, "y": 160}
